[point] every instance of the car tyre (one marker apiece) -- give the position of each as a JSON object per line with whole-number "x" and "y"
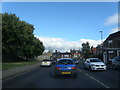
{"x": 90, "y": 68}
{"x": 85, "y": 66}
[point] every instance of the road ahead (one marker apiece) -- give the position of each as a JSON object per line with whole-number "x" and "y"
{"x": 42, "y": 77}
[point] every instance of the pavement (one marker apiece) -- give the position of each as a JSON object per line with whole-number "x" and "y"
{"x": 18, "y": 70}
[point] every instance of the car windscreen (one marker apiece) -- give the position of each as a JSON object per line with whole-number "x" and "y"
{"x": 65, "y": 62}
{"x": 75, "y": 60}
{"x": 95, "y": 60}
{"x": 46, "y": 60}
{"x": 118, "y": 58}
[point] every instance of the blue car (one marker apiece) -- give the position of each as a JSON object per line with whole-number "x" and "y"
{"x": 65, "y": 67}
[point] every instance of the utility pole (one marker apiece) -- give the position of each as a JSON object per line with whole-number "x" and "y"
{"x": 101, "y": 37}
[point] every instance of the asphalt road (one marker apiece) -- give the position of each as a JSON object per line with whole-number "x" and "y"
{"x": 42, "y": 77}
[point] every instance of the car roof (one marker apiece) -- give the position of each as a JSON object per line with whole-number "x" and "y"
{"x": 93, "y": 58}
{"x": 65, "y": 59}
{"x": 116, "y": 57}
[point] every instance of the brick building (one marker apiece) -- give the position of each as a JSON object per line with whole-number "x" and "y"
{"x": 111, "y": 47}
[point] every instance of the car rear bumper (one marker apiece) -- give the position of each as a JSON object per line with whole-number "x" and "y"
{"x": 45, "y": 64}
{"x": 66, "y": 72}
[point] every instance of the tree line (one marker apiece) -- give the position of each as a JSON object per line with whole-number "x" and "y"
{"x": 18, "y": 40}
{"x": 86, "y": 48}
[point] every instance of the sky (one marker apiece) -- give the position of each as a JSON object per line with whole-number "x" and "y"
{"x": 66, "y": 25}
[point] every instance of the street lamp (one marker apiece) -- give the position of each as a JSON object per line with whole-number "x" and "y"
{"x": 101, "y": 37}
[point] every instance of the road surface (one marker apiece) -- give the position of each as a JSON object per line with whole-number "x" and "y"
{"x": 42, "y": 77}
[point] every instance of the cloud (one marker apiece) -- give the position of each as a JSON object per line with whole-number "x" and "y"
{"x": 63, "y": 45}
{"x": 112, "y": 20}
{"x": 114, "y": 30}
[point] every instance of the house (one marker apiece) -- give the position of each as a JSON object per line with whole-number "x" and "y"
{"x": 111, "y": 47}
{"x": 56, "y": 55}
{"x": 93, "y": 50}
{"x": 75, "y": 53}
{"x": 65, "y": 55}
{"x": 72, "y": 54}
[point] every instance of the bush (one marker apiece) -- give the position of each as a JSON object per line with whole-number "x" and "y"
{"x": 96, "y": 56}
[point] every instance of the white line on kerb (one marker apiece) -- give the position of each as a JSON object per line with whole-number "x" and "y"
{"x": 95, "y": 79}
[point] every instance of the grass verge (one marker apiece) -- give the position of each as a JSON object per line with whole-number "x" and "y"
{"x": 9, "y": 65}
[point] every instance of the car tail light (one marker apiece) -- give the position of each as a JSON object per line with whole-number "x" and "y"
{"x": 73, "y": 67}
{"x": 58, "y": 68}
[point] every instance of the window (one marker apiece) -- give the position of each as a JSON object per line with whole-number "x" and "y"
{"x": 65, "y": 62}
{"x": 95, "y": 60}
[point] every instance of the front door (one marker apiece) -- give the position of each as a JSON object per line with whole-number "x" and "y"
{"x": 105, "y": 57}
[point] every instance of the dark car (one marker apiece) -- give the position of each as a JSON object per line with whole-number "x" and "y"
{"x": 53, "y": 61}
{"x": 65, "y": 67}
{"x": 116, "y": 62}
{"x": 76, "y": 61}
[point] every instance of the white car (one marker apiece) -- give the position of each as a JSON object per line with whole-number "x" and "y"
{"x": 94, "y": 64}
{"x": 46, "y": 62}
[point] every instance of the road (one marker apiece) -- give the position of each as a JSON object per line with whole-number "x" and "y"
{"x": 42, "y": 77}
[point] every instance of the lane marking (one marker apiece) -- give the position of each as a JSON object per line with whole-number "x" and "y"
{"x": 95, "y": 79}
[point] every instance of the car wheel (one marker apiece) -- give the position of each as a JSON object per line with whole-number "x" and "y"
{"x": 90, "y": 68}
{"x": 84, "y": 66}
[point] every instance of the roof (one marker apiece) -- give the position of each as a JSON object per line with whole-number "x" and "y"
{"x": 113, "y": 36}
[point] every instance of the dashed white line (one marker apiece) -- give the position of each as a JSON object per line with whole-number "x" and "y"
{"x": 95, "y": 79}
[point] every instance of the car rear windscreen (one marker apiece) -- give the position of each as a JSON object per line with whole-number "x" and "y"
{"x": 65, "y": 62}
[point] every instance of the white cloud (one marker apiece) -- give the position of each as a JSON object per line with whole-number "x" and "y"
{"x": 114, "y": 30}
{"x": 63, "y": 45}
{"x": 112, "y": 20}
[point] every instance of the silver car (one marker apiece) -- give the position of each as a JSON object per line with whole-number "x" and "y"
{"x": 116, "y": 62}
{"x": 46, "y": 62}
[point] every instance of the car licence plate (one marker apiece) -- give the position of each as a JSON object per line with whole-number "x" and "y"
{"x": 65, "y": 72}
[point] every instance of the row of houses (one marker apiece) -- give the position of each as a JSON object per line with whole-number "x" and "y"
{"x": 72, "y": 54}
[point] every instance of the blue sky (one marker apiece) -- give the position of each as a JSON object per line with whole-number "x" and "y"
{"x": 69, "y": 21}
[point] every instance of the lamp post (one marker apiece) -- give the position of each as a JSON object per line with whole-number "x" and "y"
{"x": 101, "y": 37}
{"x": 101, "y": 46}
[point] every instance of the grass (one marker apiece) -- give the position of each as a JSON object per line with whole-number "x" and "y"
{"x": 8, "y": 65}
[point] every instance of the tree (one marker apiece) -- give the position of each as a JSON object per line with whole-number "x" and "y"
{"x": 18, "y": 39}
{"x": 85, "y": 49}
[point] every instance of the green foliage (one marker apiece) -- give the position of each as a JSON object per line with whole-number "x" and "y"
{"x": 96, "y": 56}
{"x": 85, "y": 49}
{"x": 18, "y": 40}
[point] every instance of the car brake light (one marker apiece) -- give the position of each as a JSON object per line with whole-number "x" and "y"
{"x": 58, "y": 67}
{"x": 73, "y": 67}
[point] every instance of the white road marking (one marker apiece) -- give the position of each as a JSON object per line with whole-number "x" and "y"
{"x": 95, "y": 79}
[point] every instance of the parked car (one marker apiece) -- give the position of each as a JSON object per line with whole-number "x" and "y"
{"x": 65, "y": 67}
{"x": 46, "y": 62}
{"x": 94, "y": 64}
{"x": 76, "y": 61}
{"x": 53, "y": 61}
{"x": 116, "y": 62}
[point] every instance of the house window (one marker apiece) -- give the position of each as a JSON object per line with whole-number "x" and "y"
{"x": 110, "y": 43}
